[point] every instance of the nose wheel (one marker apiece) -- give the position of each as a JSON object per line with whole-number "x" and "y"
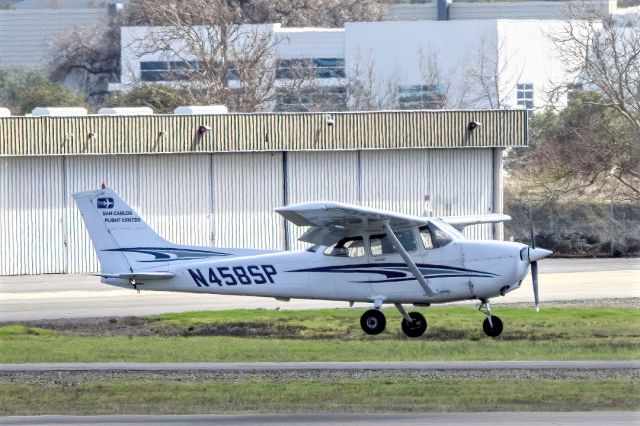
{"x": 373, "y": 322}
{"x": 492, "y": 325}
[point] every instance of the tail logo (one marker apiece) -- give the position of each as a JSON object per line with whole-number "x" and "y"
{"x": 105, "y": 203}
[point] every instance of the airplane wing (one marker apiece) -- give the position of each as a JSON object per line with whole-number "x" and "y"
{"x": 459, "y": 222}
{"x": 330, "y": 221}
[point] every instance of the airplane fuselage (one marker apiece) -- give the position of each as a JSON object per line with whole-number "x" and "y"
{"x": 460, "y": 270}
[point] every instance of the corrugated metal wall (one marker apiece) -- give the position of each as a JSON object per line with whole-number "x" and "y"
{"x": 247, "y": 189}
{"x": 31, "y": 216}
{"x": 157, "y": 134}
{"x": 222, "y": 199}
{"x": 458, "y": 182}
{"x": 320, "y": 176}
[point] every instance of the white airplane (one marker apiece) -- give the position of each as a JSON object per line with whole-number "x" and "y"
{"x": 358, "y": 255}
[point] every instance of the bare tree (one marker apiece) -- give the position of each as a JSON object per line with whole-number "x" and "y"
{"x": 308, "y": 13}
{"x": 366, "y": 91}
{"x": 493, "y": 74}
{"x": 219, "y": 60}
{"x": 88, "y": 58}
{"x": 291, "y": 13}
{"x": 601, "y": 53}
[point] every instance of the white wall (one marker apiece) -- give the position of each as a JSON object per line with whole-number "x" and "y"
{"x": 135, "y": 47}
{"x": 310, "y": 42}
{"x": 394, "y": 49}
{"x": 396, "y": 52}
{"x": 289, "y": 43}
{"x": 531, "y": 57}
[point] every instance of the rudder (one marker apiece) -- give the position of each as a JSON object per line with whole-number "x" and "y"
{"x": 118, "y": 233}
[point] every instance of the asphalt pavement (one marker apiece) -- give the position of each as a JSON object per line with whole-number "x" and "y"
{"x": 305, "y": 419}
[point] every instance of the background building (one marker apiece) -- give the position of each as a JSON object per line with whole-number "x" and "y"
{"x": 409, "y": 65}
{"x": 219, "y": 187}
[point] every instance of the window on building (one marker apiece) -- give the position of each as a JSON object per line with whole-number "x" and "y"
{"x": 347, "y": 247}
{"x": 316, "y": 99}
{"x": 167, "y": 70}
{"x": 177, "y": 70}
{"x": 573, "y": 90}
{"x": 420, "y": 97}
{"x": 315, "y": 67}
{"x": 525, "y": 95}
{"x": 232, "y": 73}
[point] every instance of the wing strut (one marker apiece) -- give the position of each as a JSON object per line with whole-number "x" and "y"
{"x": 409, "y": 261}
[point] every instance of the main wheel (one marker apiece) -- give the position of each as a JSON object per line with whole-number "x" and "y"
{"x": 494, "y": 331}
{"x": 415, "y": 328}
{"x": 373, "y": 322}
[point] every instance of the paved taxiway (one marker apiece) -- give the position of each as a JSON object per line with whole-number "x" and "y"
{"x": 446, "y": 419}
{"x": 338, "y": 366}
{"x": 79, "y": 296}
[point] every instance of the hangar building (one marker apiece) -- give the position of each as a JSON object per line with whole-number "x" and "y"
{"x": 215, "y": 179}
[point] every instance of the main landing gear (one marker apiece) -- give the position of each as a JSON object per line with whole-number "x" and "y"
{"x": 374, "y": 322}
{"x": 492, "y": 325}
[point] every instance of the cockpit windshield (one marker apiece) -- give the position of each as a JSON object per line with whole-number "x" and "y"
{"x": 453, "y": 232}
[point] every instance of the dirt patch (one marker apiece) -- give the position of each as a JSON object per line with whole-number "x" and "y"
{"x": 134, "y": 326}
{"x": 245, "y": 329}
{"x": 282, "y": 329}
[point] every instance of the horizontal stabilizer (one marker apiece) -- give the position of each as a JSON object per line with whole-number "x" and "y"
{"x": 147, "y": 276}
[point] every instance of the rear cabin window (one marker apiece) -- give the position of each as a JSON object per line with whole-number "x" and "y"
{"x": 347, "y": 247}
{"x": 381, "y": 244}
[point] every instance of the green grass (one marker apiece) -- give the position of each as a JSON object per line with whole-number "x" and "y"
{"x": 454, "y": 333}
{"x": 165, "y": 397}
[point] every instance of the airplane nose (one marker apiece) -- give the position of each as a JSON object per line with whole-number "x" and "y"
{"x": 536, "y": 254}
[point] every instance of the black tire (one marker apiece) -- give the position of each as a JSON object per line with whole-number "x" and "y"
{"x": 494, "y": 331}
{"x": 373, "y": 322}
{"x": 415, "y": 328}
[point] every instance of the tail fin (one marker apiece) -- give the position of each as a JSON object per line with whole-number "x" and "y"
{"x": 116, "y": 230}
{"x": 126, "y": 245}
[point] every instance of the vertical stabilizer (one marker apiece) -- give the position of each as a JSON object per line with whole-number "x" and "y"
{"x": 118, "y": 233}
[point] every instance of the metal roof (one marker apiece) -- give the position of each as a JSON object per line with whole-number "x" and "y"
{"x": 159, "y": 134}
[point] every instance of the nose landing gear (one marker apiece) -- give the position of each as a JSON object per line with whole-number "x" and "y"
{"x": 492, "y": 325}
{"x": 416, "y": 327}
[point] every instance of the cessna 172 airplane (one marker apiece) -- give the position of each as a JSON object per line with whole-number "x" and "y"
{"x": 358, "y": 255}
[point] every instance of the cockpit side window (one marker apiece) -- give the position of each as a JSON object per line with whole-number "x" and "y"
{"x": 425, "y": 236}
{"x": 381, "y": 244}
{"x": 347, "y": 247}
{"x": 434, "y": 237}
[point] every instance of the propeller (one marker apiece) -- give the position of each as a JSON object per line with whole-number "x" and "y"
{"x": 534, "y": 254}
{"x": 534, "y": 264}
